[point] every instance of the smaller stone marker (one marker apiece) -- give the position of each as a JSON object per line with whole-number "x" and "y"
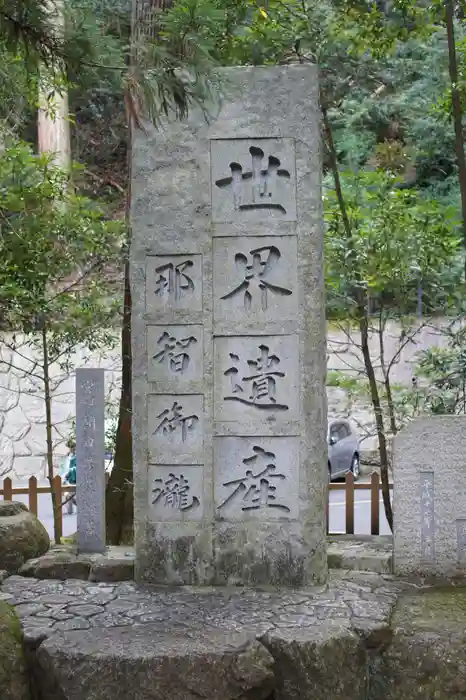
{"x": 429, "y": 479}
{"x": 90, "y": 459}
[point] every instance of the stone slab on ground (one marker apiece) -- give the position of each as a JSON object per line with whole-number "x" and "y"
{"x": 351, "y": 552}
{"x": 428, "y": 626}
{"x": 142, "y": 662}
{"x": 359, "y": 553}
{"x": 81, "y": 632}
{"x": 63, "y": 562}
{"x": 364, "y": 635}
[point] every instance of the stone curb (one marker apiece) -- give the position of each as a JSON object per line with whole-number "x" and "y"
{"x": 348, "y": 552}
{"x": 63, "y": 562}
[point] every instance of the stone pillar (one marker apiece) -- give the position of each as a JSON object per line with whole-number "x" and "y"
{"x": 90, "y": 459}
{"x": 229, "y": 410}
{"x": 429, "y": 497}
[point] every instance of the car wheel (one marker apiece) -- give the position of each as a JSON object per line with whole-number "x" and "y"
{"x": 355, "y": 467}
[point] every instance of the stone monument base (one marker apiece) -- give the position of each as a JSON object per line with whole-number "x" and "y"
{"x": 362, "y": 636}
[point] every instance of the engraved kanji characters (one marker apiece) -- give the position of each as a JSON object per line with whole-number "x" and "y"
{"x": 172, "y": 420}
{"x": 174, "y": 492}
{"x": 257, "y": 490}
{"x": 427, "y": 515}
{"x": 255, "y": 188}
{"x": 254, "y": 271}
{"x": 259, "y": 387}
{"x": 174, "y": 352}
{"x": 173, "y": 281}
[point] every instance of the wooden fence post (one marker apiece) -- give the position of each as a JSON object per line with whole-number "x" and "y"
{"x": 59, "y": 498}
{"x": 349, "y": 506}
{"x": 33, "y": 495}
{"x": 7, "y": 489}
{"x": 375, "y": 504}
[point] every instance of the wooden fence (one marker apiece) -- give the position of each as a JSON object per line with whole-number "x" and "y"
{"x": 348, "y": 487}
{"x": 32, "y": 490}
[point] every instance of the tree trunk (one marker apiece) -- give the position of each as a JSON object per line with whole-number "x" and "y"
{"x": 376, "y": 404}
{"x": 48, "y": 431}
{"x": 386, "y": 376}
{"x": 119, "y": 496}
{"x": 363, "y": 321}
{"x": 53, "y": 126}
{"x": 53, "y": 130}
{"x": 456, "y": 113}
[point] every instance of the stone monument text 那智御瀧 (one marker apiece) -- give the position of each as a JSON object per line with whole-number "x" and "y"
{"x": 229, "y": 339}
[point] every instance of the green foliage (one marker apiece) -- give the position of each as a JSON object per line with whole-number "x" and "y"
{"x": 400, "y": 240}
{"x": 441, "y": 374}
{"x": 54, "y": 247}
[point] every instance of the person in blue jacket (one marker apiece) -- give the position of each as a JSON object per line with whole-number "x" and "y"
{"x": 70, "y": 477}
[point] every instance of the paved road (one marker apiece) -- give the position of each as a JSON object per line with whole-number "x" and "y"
{"x": 362, "y": 513}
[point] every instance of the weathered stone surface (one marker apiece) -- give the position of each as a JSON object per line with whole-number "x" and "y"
{"x": 427, "y": 655}
{"x": 318, "y": 636}
{"x": 228, "y": 239}
{"x": 14, "y": 681}
{"x": 62, "y": 566}
{"x": 8, "y": 508}
{"x": 324, "y": 661}
{"x": 22, "y": 536}
{"x": 429, "y": 497}
{"x": 63, "y": 561}
{"x": 358, "y": 553}
{"x": 90, "y": 455}
{"x": 114, "y": 663}
{"x": 112, "y": 570}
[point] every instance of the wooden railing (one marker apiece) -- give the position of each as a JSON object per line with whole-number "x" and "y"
{"x": 32, "y": 490}
{"x": 349, "y": 487}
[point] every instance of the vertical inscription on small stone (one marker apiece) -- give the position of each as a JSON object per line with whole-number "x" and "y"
{"x": 427, "y": 516}
{"x": 90, "y": 459}
{"x": 461, "y": 539}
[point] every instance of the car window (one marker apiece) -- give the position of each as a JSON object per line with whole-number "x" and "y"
{"x": 335, "y": 432}
{"x": 343, "y": 431}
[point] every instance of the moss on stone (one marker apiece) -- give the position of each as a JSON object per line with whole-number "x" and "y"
{"x": 439, "y": 608}
{"x": 14, "y": 681}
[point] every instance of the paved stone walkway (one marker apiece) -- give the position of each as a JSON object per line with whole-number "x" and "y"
{"x": 88, "y": 640}
{"x": 360, "y": 601}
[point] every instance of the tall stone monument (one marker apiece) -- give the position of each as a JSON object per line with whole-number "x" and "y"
{"x": 429, "y": 497}
{"x": 229, "y": 412}
{"x": 90, "y": 459}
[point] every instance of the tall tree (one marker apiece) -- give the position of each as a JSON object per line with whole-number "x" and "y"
{"x": 457, "y": 113}
{"x": 53, "y": 127}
